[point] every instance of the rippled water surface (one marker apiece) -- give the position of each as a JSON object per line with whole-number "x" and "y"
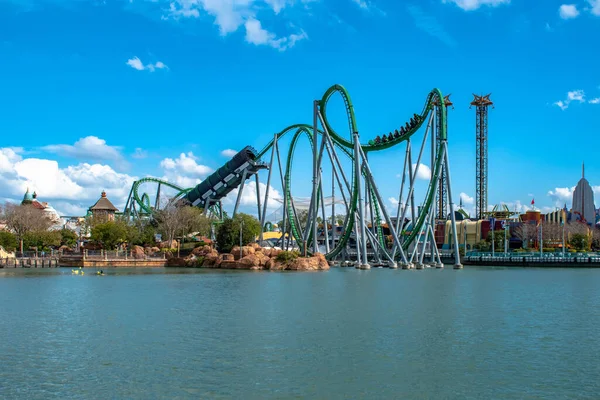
{"x": 433, "y": 334}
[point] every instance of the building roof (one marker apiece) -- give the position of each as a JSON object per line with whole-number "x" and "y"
{"x": 103, "y": 204}
{"x": 27, "y": 198}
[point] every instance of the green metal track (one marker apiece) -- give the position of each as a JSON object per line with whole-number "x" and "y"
{"x": 346, "y": 146}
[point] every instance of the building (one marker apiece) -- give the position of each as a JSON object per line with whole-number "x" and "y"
{"x": 583, "y": 201}
{"x": 49, "y": 211}
{"x": 103, "y": 209}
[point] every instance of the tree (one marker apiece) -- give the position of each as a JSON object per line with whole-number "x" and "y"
{"x": 596, "y": 238}
{"x": 498, "y": 240}
{"x": 42, "y": 240}
{"x": 22, "y": 219}
{"x": 68, "y": 237}
{"x": 141, "y": 233}
{"x": 579, "y": 241}
{"x": 182, "y": 220}
{"x": 228, "y": 234}
{"x": 527, "y": 233}
{"x": 110, "y": 234}
{"x": 8, "y": 241}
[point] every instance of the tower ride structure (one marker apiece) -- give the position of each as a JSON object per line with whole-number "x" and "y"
{"x": 481, "y": 104}
{"x": 341, "y": 177}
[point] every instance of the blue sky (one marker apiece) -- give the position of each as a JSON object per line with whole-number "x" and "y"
{"x": 97, "y": 93}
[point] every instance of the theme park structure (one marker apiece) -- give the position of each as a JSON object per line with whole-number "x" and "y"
{"x": 369, "y": 234}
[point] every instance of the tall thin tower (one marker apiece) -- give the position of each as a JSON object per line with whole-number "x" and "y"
{"x": 481, "y": 153}
{"x": 442, "y": 201}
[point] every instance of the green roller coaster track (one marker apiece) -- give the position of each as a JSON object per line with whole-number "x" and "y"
{"x": 346, "y": 146}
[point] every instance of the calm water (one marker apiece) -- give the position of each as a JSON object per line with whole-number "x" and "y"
{"x": 433, "y": 334}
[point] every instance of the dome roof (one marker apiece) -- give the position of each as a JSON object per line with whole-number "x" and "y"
{"x": 27, "y": 198}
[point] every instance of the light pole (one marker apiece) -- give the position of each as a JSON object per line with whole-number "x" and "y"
{"x": 241, "y": 226}
{"x": 506, "y": 227}
{"x": 493, "y": 224}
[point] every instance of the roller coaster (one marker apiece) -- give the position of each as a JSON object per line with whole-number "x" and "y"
{"x": 369, "y": 233}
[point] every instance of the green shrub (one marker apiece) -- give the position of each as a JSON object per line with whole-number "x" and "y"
{"x": 8, "y": 241}
{"x": 286, "y": 257}
{"x": 228, "y": 233}
{"x": 197, "y": 263}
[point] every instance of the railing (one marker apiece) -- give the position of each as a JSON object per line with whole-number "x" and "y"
{"x": 536, "y": 257}
{"x": 29, "y": 262}
{"x": 114, "y": 255}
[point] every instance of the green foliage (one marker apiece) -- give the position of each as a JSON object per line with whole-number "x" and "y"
{"x": 197, "y": 263}
{"x": 228, "y": 233}
{"x": 43, "y": 240}
{"x": 286, "y": 257}
{"x": 141, "y": 233}
{"x": 67, "y": 237}
{"x": 8, "y": 241}
{"x": 548, "y": 250}
{"x": 579, "y": 241}
{"x": 180, "y": 221}
{"x": 110, "y": 234}
{"x": 482, "y": 246}
{"x": 498, "y": 240}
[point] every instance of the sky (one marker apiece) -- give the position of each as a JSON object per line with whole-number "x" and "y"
{"x": 96, "y": 94}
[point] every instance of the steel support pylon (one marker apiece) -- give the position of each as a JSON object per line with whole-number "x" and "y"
{"x": 481, "y": 153}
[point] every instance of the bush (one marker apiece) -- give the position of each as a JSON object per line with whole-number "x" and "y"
{"x": 110, "y": 234}
{"x": 228, "y": 233}
{"x": 286, "y": 257}
{"x": 549, "y": 250}
{"x": 579, "y": 241}
{"x": 43, "y": 240}
{"x": 67, "y": 237}
{"x": 8, "y": 241}
{"x": 197, "y": 263}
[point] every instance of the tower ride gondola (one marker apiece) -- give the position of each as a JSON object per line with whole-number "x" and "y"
{"x": 369, "y": 233}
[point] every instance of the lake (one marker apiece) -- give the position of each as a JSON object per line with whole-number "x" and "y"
{"x": 477, "y": 333}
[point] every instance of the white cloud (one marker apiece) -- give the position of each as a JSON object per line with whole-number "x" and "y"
{"x": 136, "y": 63}
{"x": 595, "y": 4}
{"x": 575, "y": 95}
{"x": 228, "y": 153}
{"x": 393, "y": 201}
{"x": 595, "y": 101}
{"x": 561, "y": 104}
{"x": 423, "y": 172}
{"x": 362, "y": 4}
{"x": 230, "y": 15}
{"x": 89, "y": 148}
{"x": 184, "y": 171}
{"x": 466, "y": 199}
{"x": 470, "y": 5}
{"x": 249, "y": 196}
{"x": 568, "y": 11}
{"x": 70, "y": 190}
{"x": 139, "y": 153}
{"x": 430, "y": 24}
{"x": 257, "y": 35}
{"x": 560, "y": 196}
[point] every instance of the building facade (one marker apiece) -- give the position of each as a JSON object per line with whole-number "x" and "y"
{"x": 583, "y": 201}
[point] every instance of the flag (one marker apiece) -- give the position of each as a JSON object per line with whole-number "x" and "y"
{"x": 492, "y": 223}
{"x": 533, "y": 201}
